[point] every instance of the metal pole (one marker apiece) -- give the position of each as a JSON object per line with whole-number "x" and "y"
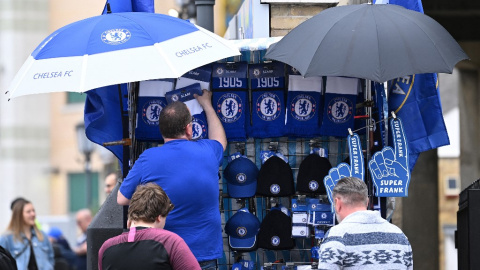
{"x": 88, "y": 176}
{"x": 369, "y": 132}
{"x": 368, "y": 110}
{"x": 205, "y": 13}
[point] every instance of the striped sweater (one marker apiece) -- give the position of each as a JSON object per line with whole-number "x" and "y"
{"x": 364, "y": 240}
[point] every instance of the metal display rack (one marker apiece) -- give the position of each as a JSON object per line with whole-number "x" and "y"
{"x": 295, "y": 150}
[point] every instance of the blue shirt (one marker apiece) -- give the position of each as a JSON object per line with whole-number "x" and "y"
{"x": 188, "y": 172}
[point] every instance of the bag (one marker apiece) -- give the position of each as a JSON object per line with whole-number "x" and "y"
{"x": 7, "y": 262}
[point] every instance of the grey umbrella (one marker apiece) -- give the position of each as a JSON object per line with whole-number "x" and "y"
{"x": 375, "y": 42}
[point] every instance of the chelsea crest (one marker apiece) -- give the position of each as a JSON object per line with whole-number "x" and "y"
{"x": 116, "y": 36}
{"x": 229, "y": 108}
{"x": 303, "y": 107}
{"x": 340, "y": 109}
{"x": 199, "y": 129}
{"x": 151, "y": 111}
{"x": 268, "y": 106}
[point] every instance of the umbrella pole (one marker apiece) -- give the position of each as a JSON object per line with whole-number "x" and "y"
{"x": 126, "y": 149}
{"x": 369, "y": 135}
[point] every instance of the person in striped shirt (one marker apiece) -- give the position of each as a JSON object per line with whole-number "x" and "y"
{"x": 362, "y": 239}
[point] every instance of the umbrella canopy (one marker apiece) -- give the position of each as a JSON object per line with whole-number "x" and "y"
{"x": 375, "y": 42}
{"x": 117, "y": 48}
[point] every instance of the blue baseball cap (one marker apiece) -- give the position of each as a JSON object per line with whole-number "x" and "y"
{"x": 242, "y": 229}
{"x": 55, "y": 232}
{"x": 241, "y": 175}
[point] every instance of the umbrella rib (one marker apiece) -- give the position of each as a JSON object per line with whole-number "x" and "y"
{"x": 378, "y": 42}
{"x": 169, "y": 63}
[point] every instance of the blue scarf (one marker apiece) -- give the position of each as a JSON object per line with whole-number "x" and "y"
{"x": 304, "y": 105}
{"x": 230, "y": 96}
{"x": 267, "y": 83}
{"x": 199, "y": 76}
{"x": 151, "y": 101}
{"x": 339, "y": 109}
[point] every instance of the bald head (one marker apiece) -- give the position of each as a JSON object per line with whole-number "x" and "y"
{"x": 83, "y": 217}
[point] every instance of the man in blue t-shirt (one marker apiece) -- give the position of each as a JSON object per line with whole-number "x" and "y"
{"x": 188, "y": 172}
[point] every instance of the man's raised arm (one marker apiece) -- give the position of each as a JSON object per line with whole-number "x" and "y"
{"x": 215, "y": 127}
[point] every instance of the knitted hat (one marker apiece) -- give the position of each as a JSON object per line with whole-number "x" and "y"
{"x": 311, "y": 172}
{"x": 276, "y": 231}
{"x": 241, "y": 175}
{"x": 275, "y": 178}
{"x": 242, "y": 229}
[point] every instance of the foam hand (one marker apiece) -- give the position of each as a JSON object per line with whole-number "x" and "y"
{"x": 355, "y": 168}
{"x": 389, "y": 167}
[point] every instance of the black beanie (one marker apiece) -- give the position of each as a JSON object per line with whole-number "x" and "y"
{"x": 275, "y": 178}
{"x": 310, "y": 176}
{"x": 276, "y": 231}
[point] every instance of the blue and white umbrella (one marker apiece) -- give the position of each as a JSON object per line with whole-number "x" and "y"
{"x": 117, "y": 48}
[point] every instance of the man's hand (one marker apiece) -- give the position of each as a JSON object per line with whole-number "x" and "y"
{"x": 215, "y": 127}
{"x": 205, "y": 99}
{"x": 389, "y": 167}
{"x": 355, "y": 169}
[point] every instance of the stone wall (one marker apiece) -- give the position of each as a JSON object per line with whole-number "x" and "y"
{"x": 285, "y": 17}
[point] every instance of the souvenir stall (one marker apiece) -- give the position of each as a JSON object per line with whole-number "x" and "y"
{"x": 290, "y": 139}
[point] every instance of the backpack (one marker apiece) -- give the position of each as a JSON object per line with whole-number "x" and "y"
{"x": 7, "y": 262}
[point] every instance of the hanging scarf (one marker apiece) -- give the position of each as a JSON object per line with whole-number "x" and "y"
{"x": 151, "y": 101}
{"x": 304, "y": 99}
{"x": 339, "y": 109}
{"x": 199, "y": 76}
{"x": 230, "y": 98}
{"x": 267, "y": 83}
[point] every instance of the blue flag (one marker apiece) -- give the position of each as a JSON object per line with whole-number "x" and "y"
{"x": 103, "y": 116}
{"x": 416, "y": 100}
{"x": 103, "y": 109}
{"x": 129, "y": 6}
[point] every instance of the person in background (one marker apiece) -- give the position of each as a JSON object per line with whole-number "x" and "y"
{"x": 63, "y": 252}
{"x": 27, "y": 244}
{"x": 188, "y": 172}
{"x": 110, "y": 182}
{"x": 84, "y": 217}
{"x": 362, "y": 239}
{"x": 147, "y": 245}
{"x": 20, "y": 199}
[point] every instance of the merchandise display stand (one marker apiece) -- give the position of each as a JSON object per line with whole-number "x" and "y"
{"x": 302, "y": 255}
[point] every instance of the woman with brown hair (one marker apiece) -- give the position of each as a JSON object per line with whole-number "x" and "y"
{"x": 28, "y": 245}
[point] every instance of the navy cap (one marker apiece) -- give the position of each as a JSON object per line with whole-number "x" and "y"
{"x": 241, "y": 175}
{"x": 242, "y": 229}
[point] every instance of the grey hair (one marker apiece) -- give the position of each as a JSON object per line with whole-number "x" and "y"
{"x": 352, "y": 191}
